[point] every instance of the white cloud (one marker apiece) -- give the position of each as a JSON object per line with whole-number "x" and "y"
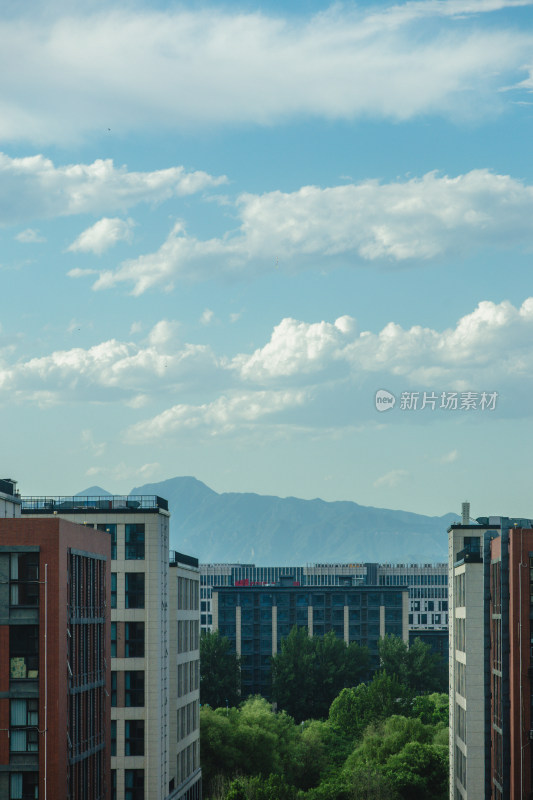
{"x": 492, "y": 344}
{"x": 450, "y": 457}
{"x": 112, "y": 370}
{"x": 103, "y": 234}
{"x": 223, "y": 415}
{"x": 391, "y": 479}
{"x": 33, "y": 187}
{"x": 121, "y": 69}
{"x": 30, "y": 236}
{"x": 308, "y": 375}
{"x": 207, "y": 316}
{"x": 421, "y": 219}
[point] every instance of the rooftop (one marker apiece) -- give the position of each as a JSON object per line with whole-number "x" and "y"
{"x": 102, "y": 503}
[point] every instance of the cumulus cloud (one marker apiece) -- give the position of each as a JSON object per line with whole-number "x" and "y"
{"x": 493, "y": 343}
{"x": 102, "y": 235}
{"x": 421, "y": 219}
{"x": 122, "y": 69}
{"x": 309, "y": 375}
{"x": 222, "y": 415}
{"x": 111, "y": 370}
{"x": 33, "y": 187}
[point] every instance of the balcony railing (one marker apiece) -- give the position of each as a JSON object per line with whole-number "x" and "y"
{"x": 47, "y": 505}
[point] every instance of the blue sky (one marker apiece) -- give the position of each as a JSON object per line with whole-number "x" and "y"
{"x": 224, "y": 227}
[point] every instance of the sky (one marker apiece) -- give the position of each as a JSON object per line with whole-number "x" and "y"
{"x": 283, "y": 247}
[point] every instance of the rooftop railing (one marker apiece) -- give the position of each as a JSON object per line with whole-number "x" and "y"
{"x": 116, "y": 502}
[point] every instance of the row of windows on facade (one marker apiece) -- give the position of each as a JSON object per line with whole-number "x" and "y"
{"x": 131, "y": 535}
{"x": 432, "y": 579}
{"x": 133, "y": 736}
{"x": 428, "y": 619}
{"x": 188, "y": 594}
{"x": 265, "y": 616}
{"x": 130, "y": 692}
{"x": 188, "y": 761}
{"x": 245, "y": 600}
{"x": 133, "y": 784}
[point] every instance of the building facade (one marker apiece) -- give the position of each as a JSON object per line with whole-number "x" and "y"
{"x": 427, "y": 586}
{"x": 144, "y": 763}
{"x": 55, "y": 733}
{"x": 184, "y": 598}
{"x": 257, "y": 618}
{"x": 491, "y": 659}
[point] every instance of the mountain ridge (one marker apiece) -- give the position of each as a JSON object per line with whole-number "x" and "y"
{"x": 246, "y": 527}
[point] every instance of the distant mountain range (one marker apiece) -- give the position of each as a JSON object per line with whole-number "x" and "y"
{"x": 267, "y": 530}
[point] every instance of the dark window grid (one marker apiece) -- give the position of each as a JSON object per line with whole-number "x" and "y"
{"x": 134, "y": 590}
{"x": 134, "y": 642}
{"x": 134, "y": 737}
{"x": 134, "y": 688}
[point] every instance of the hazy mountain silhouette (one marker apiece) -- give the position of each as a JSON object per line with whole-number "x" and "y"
{"x": 268, "y": 530}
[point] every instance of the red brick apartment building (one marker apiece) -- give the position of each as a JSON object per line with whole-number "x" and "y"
{"x": 54, "y": 651}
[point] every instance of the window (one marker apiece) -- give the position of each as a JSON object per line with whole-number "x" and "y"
{"x": 113, "y": 689}
{"x": 134, "y": 589}
{"x": 113, "y": 640}
{"x": 113, "y": 737}
{"x": 23, "y": 785}
{"x": 134, "y": 686}
{"x": 24, "y": 651}
{"x": 24, "y": 579}
{"x": 112, "y": 530}
{"x": 134, "y": 737}
{"x": 134, "y": 640}
{"x": 134, "y": 541}
{"x": 134, "y": 784}
{"x": 24, "y": 722}
{"x": 113, "y": 590}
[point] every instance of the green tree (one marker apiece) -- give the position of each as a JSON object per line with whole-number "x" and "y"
{"x": 415, "y": 666}
{"x": 356, "y": 708}
{"x": 246, "y": 741}
{"x": 309, "y": 672}
{"x": 219, "y": 671}
{"x": 419, "y": 770}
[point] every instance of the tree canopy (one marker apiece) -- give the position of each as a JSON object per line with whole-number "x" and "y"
{"x": 219, "y": 671}
{"x": 309, "y": 672}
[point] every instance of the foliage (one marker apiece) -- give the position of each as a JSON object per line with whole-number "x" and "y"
{"x": 354, "y": 709}
{"x": 419, "y": 770}
{"x": 415, "y": 666}
{"x": 274, "y": 787}
{"x": 219, "y": 671}
{"x": 432, "y": 709}
{"x": 310, "y": 671}
{"x": 249, "y": 740}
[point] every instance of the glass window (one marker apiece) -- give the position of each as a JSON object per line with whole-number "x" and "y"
{"x": 24, "y": 726}
{"x": 134, "y": 541}
{"x": 113, "y": 737}
{"x": 113, "y": 688}
{"x": 134, "y": 589}
{"x": 134, "y": 784}
{"x": 113, "y": 640}
{"x": 23, "y": 785}
{"x": 112, "y": 530}
{"x": 24, "y": 651}
{"x": 113, "y": 590}
{"x": 134, "y": 645}
{"x": 24, "y": 579}
{"x": 134, "y": 688}
{"x": 134, "y": 737}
